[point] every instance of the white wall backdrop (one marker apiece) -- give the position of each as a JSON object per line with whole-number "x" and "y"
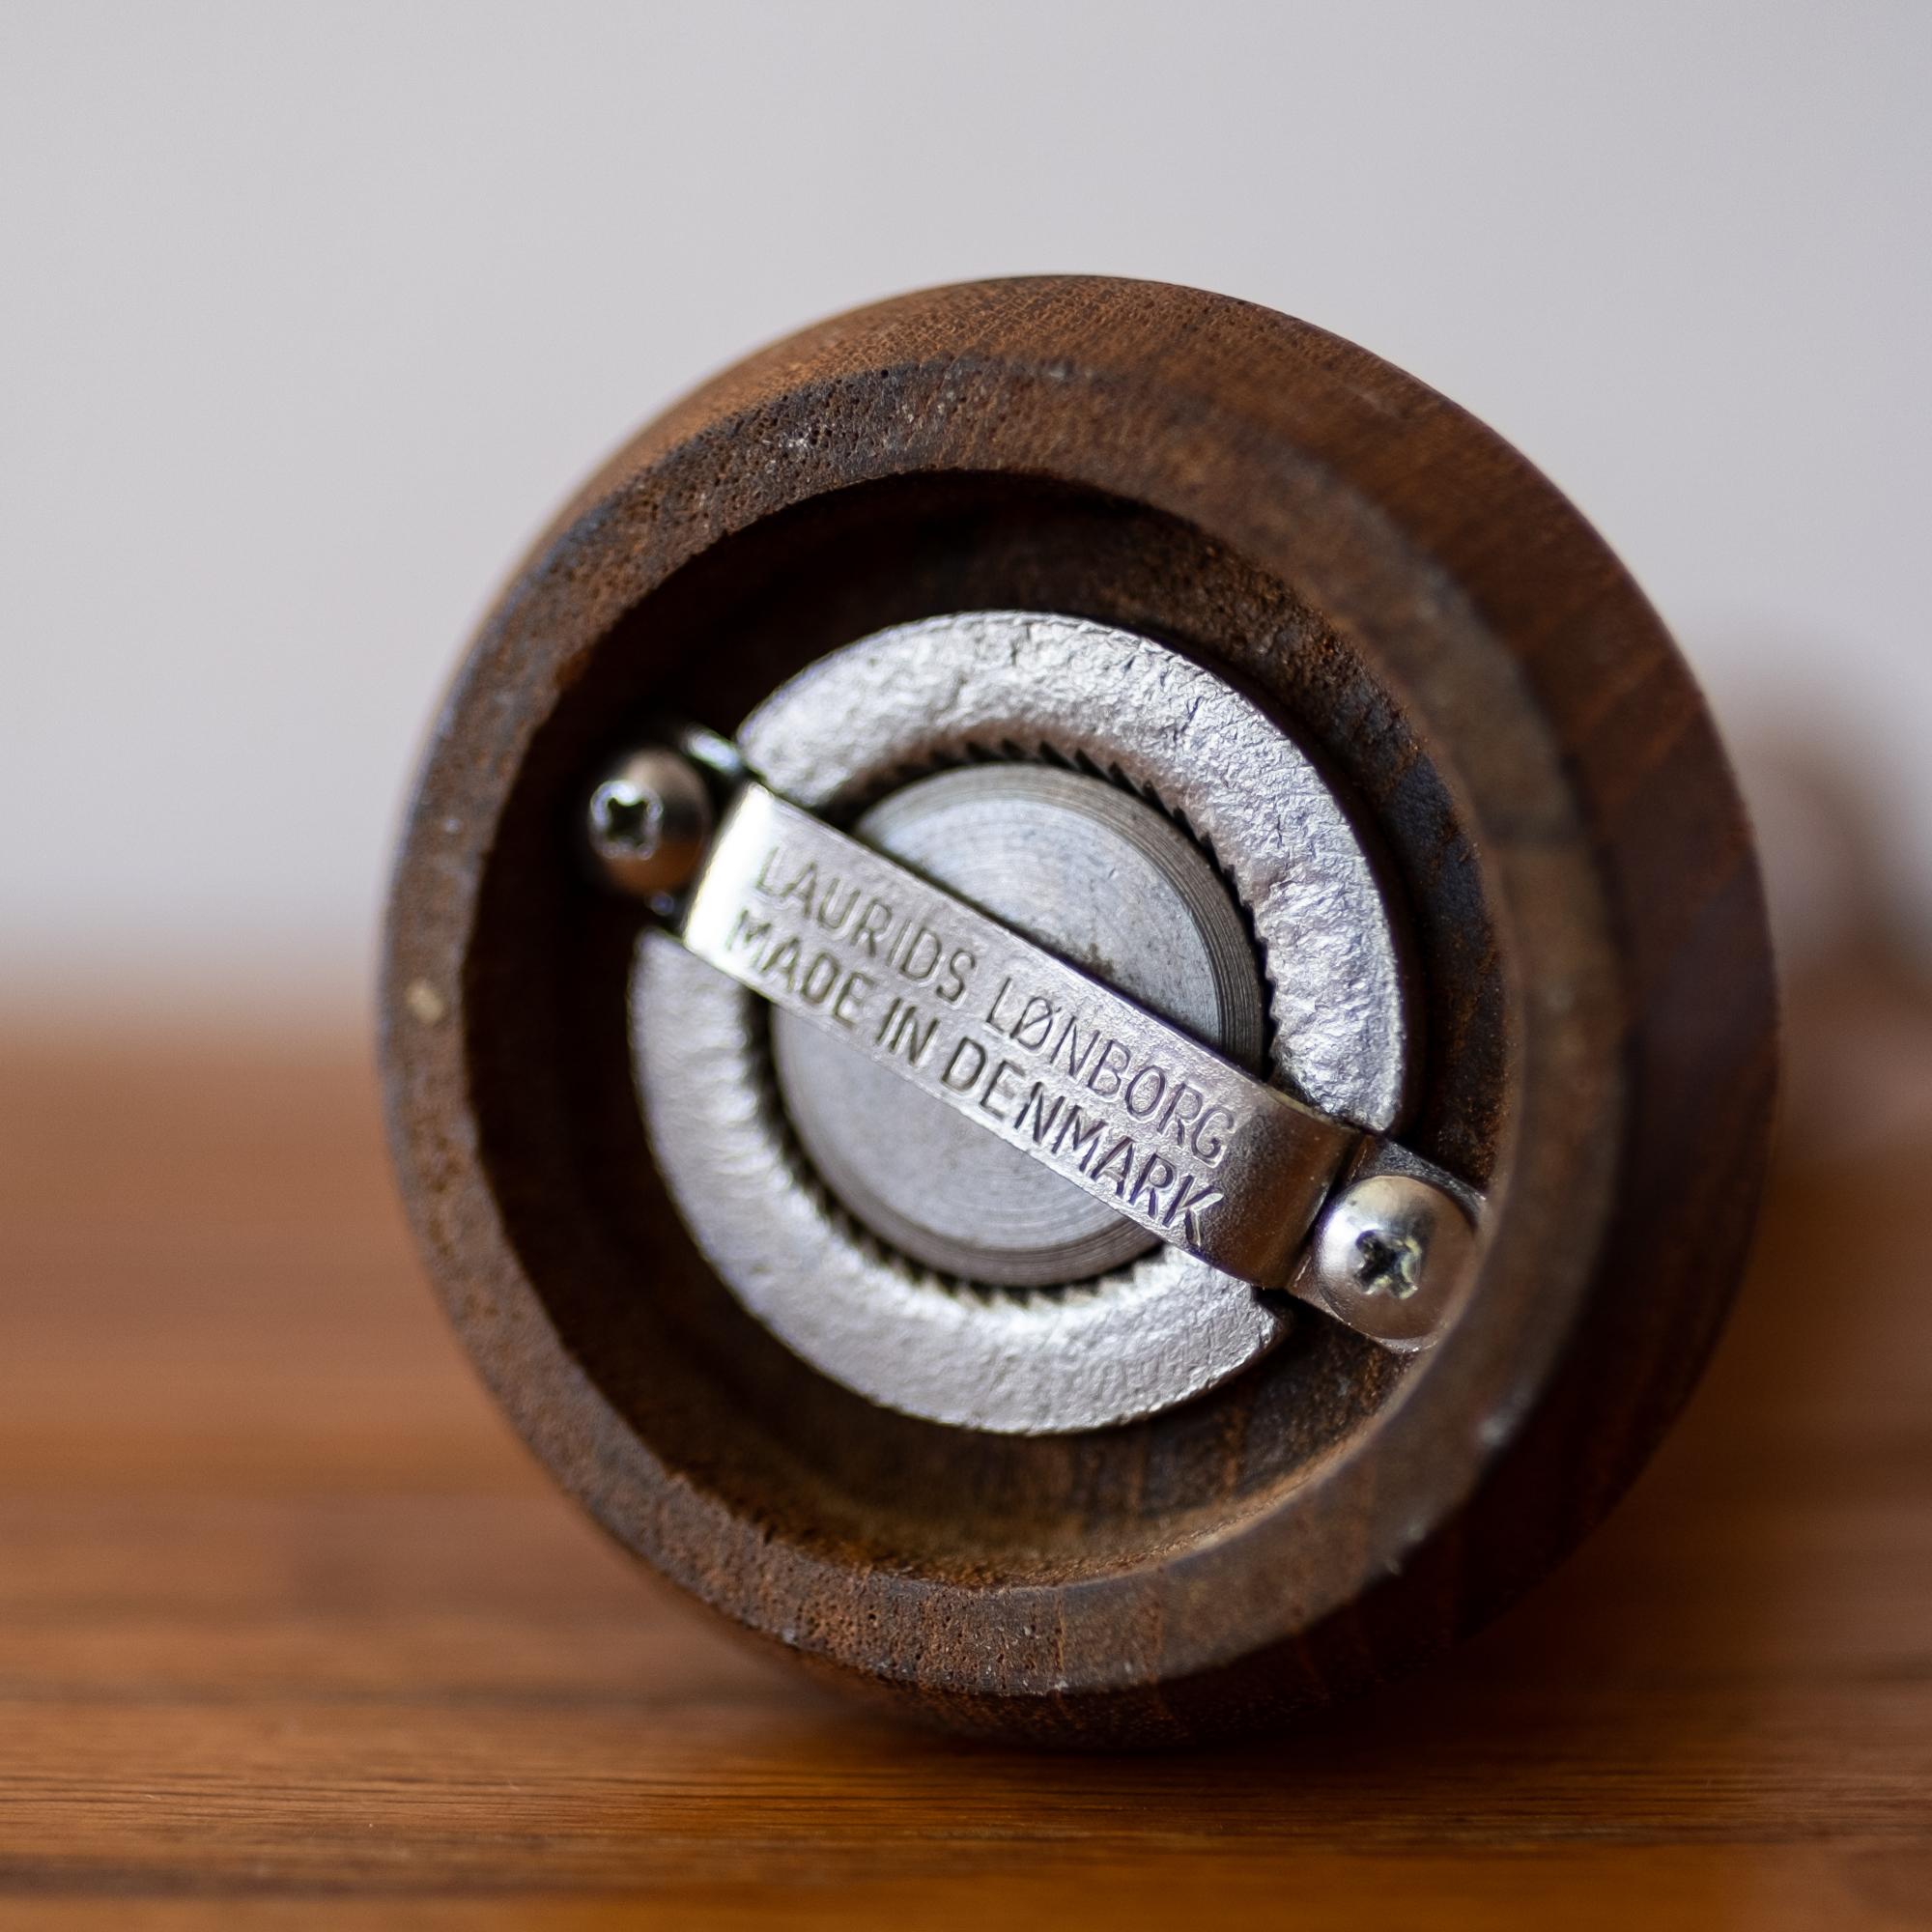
{"x": 308, "y": 315}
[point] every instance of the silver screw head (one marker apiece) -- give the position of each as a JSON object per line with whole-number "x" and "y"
{"x": 1389, "y": 1254}
{"x": 649, "y": 820}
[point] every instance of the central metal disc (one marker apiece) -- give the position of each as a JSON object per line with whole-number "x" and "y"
{"x": 1110, "y": 884}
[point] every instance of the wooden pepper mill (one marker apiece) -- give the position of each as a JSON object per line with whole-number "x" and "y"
{"x": 1077, "y": 1013}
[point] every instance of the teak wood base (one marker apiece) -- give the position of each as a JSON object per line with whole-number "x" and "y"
{"x": 1482, "y": 680}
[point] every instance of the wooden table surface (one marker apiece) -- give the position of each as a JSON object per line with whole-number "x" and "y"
{"x": 292, "y": 1631}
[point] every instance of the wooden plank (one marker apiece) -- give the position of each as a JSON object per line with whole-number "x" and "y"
{"x": 292, "y": 1632}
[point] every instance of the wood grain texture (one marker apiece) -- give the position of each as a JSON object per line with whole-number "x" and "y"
{"x": 1479, "y": 677}
{"x": 293, "y": 1633}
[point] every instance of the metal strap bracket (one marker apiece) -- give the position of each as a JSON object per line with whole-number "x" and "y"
{"x": 1106, "y": 1093}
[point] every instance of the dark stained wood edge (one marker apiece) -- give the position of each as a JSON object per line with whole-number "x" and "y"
{"x": 1612, "y": 856}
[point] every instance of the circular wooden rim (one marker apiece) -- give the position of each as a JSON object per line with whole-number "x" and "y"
{"x": 1632, "y": 931}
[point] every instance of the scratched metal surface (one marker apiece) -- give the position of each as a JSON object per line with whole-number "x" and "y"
{"x": 899, "y": 703}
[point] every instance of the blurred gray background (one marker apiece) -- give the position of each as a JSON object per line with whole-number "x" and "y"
{"x": 311, "y": 314}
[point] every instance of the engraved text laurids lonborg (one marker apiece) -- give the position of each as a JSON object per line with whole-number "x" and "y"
{"x": 1118, "y": 1101}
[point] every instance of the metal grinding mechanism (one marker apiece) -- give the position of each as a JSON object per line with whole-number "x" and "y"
{"x": 1167, "y": 1119}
